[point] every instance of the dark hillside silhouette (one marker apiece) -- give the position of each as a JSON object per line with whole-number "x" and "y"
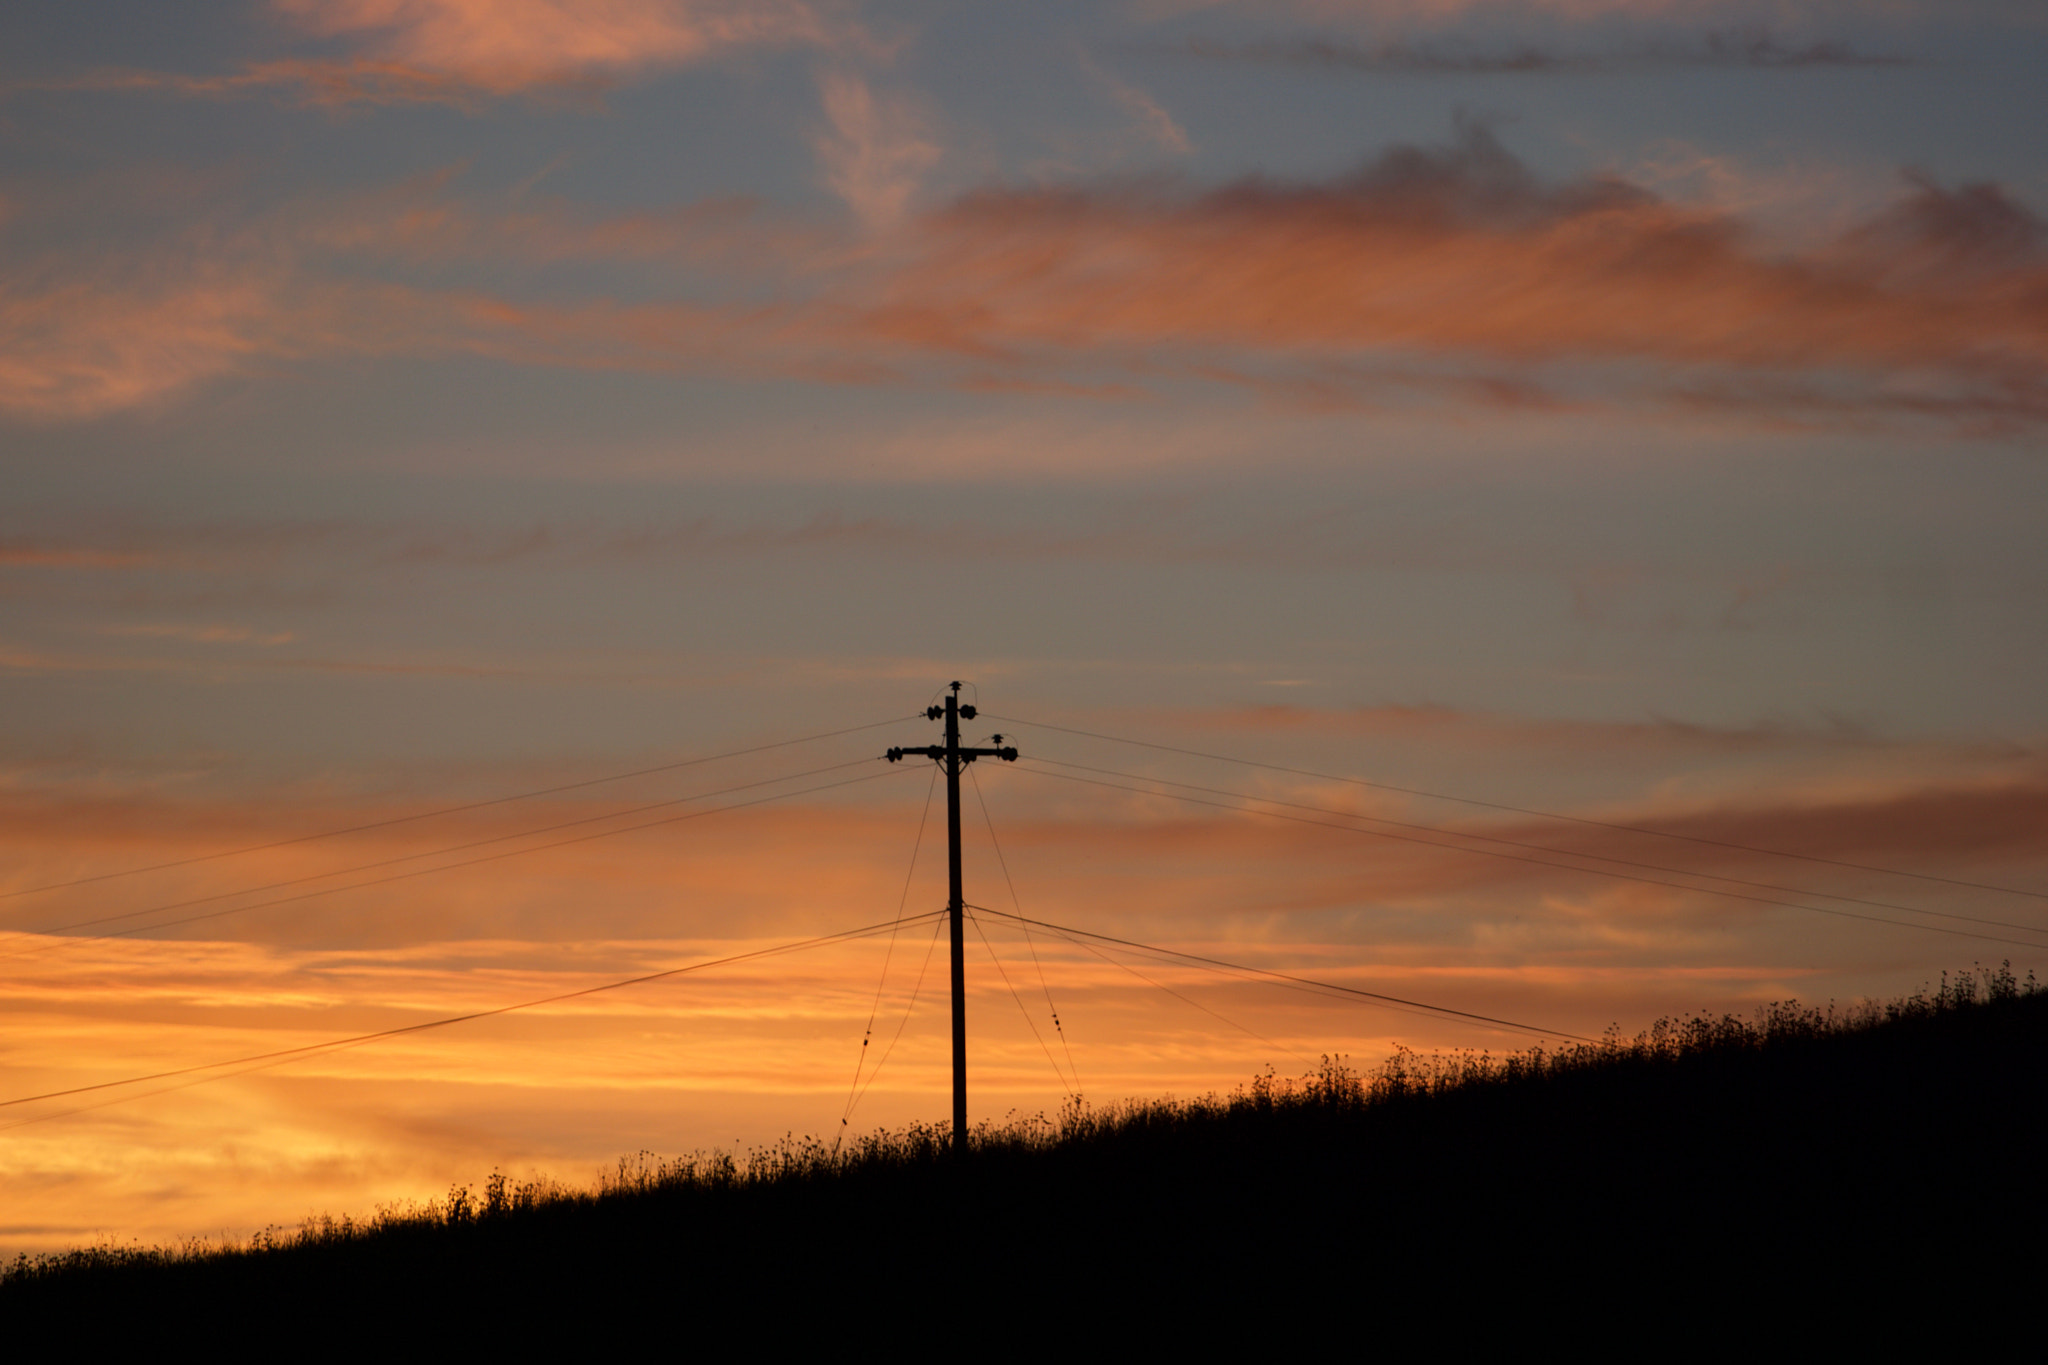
{"x": 1852, "y": 1167}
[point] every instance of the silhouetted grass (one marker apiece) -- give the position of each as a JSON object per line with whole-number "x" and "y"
{"x": 1778, "y": 1153}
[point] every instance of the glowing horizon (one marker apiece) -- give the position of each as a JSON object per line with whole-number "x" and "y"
{"x": 1629, "y": 410}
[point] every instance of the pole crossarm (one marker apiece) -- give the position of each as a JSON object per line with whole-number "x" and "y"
{"x": 952, "y": 756}
{"x": 1008, "y": 753}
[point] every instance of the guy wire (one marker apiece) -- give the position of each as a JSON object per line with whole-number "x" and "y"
{"x": 902, "y": 901}
{"x": 1004, "y": 863}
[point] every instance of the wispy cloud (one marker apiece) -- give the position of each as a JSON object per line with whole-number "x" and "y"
{"x": 1731, "y": 50}
{"x": 1472, "y": 873}
{"x": 1448, "y": 728}
{"x": 877, "y": 150}
{"x": 75, "y": 349}
{"x": 1158, "y": 126}
{"x": 80, "y": 348}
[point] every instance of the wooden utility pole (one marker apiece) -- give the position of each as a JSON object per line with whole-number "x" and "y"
{"x": 952, "y": 757}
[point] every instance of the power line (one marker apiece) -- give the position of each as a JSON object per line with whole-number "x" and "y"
{"x": 1395, "y": 1001}
{"x": 1125, "y": 966}
{"x": 1563, "y": 852}
{"x": 916, "y": 988}
{"x": 439, "y": 852}
{"x": 448, "y": 867}
{"x": 1524, "y": 810}
{"x": 287, "y": 1054}
{"x": 1004, "y": 863}
{"x": 1539, "y": 862}
{"x": 868, "y": 1033}
{"x": 452, "y": 810}
{"x": 1029, "y": 1023}
{"x": 1169, "y": 958}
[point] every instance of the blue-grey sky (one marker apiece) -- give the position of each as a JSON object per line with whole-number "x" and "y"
{"x": 1630, "y": 409}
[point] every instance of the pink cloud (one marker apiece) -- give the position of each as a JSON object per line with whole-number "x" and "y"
{"x": 503, "y": 46}
{"x": 877, "y": 151}
{"x": 75, "y": 352}
{"x": 1450, "y": 277}
{"x": 1459, "y": 254}
{"x": 124, "y": 338}
{"x": 466, "y": 52}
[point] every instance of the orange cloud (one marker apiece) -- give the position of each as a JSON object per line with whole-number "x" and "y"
{"x": 1947, "y": 830}
{"x": 1082, "y": 844}
{"x": 76, "y": 351}
{"x": 466, "y": 52}
{"x": 504, "y": 46}
{"x": 131, "y": 337}
{"x": 1461, "y": 255}
{"x": 1450, "y": 272}
{"x": 1449, "y": 276}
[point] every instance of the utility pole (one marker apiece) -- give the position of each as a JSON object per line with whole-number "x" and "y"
{"x": 952, "y": 757}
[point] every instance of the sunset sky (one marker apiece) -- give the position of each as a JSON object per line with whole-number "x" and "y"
{"x": 1632, "y": 410}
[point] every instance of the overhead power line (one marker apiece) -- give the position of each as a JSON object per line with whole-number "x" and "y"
{"x": 1187, "y": 1000}
{"x": 282, "y": 1055}
{"x": 1010, "y": 986}
{"x": 916, "y": 989}
{"x": 1561, "y": 852}
{"x": 1525, "y": 810}
{"x": 1164, "y": 957}
{"x": 875, "y": 1007}
{"x": 452, "y": 810}
{"x": 443, "y": 851}
{"x": 1376, "y": 997}
{"x": 1524, "y": 858}
{"x": 1018, "y": 905}
{"x": 449, "y": 867}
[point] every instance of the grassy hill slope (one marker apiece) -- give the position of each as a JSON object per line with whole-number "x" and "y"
{"x": 1876, "y": 1161}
